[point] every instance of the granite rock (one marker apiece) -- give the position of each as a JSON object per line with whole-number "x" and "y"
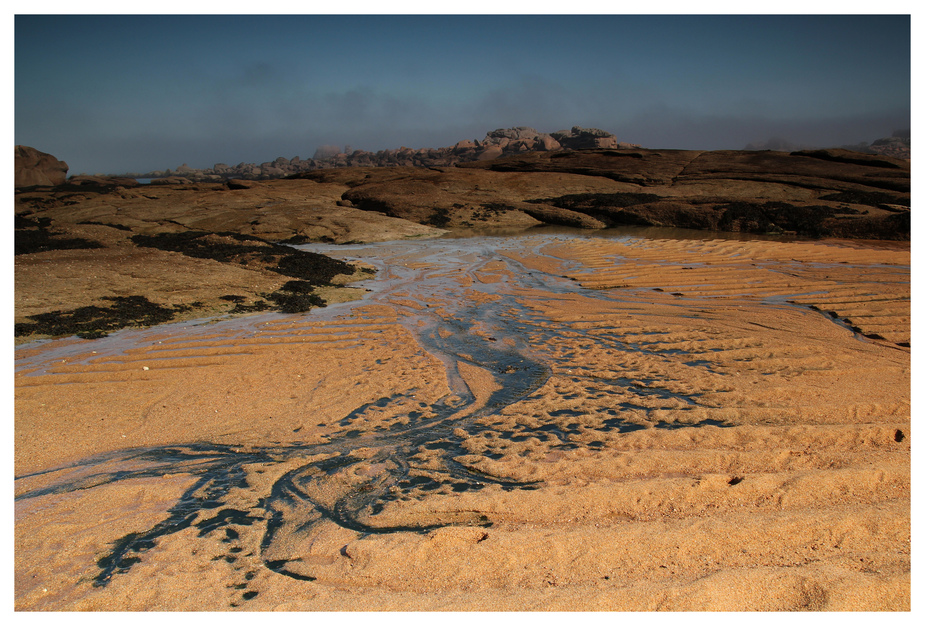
{"x": 35, "y": 168}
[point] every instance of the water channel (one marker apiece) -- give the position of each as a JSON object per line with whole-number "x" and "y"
{"x": 460, "y": 298}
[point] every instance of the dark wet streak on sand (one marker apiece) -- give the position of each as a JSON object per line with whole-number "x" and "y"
{"x": 221, "y": 468}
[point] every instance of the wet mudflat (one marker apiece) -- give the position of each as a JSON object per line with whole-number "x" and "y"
{"x": 542, "y": 422}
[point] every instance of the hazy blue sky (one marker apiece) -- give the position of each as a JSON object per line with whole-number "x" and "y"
{"x": 115, "y": 93}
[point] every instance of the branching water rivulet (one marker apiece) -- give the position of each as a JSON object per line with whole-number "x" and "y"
{"x": 289, "y": 503}
{"x": 289, "y": 506}
{"x": 479, "y": 319}
{"x": 534, "y": 422}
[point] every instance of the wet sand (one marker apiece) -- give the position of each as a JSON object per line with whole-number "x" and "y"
{"x": 524, "y": 423}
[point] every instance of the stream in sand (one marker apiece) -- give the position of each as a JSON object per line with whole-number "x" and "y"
{"x": 477, "y": 369}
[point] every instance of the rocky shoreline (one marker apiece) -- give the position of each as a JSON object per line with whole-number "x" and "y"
{"x": 91, "y": 238}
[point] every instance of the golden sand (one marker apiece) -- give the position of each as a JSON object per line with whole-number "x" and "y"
{"x": 720, "y": 425}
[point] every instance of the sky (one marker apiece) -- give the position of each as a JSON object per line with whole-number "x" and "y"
{"x": 135, "y": 93}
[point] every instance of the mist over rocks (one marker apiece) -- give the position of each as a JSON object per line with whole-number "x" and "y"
{"x": 897, "y": 146}
{"x": 497, "y": 143}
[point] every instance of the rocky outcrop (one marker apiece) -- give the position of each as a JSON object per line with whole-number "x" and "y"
{"x": 84, "y": 182}
{"x": 35, "y": 168}
{"x": 899, "y": 146}
{"x": 818, "y": 193}
{"x": 813, "y": 193}
{"x": 497, "y": 143}
{"x": 588, "y": 139}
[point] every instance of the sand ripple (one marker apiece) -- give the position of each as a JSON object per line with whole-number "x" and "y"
{"x": 535, "y": 423}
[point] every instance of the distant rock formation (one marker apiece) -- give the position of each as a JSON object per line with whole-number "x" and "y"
{"x": 35, "y": 168}
{"x": 898, "y": 146}
{"x": 588, "y": 139}
{"x": 497, "y": 143}
{"x": 325, "y": 152}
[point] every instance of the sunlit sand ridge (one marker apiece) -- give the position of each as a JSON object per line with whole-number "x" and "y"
{"x": 534, "y": 423}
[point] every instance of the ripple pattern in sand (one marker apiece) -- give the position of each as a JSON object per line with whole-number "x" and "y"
{"x": 487, "y": 393}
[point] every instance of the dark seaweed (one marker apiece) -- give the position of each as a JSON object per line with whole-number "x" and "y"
{"x": 869, "y": 198}
{"x": 775, "y": 218}
{"x": 588, "y": 202}
{"x": 91, "y": 322}
{"x": 296, "y": 297}
{"x": 296, "y": 302}
{"x": 439, "y": 218}
{"x": 316, "y": 269}
{"x": 35, "y": 235}
{"x": 257, "y": 307}
{"x": 116, "y": 226}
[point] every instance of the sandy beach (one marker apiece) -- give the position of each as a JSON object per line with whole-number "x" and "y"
{"x": 533, "y": 423}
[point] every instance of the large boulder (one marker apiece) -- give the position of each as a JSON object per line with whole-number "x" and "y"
{"x": 35, "y": 168}
{"x": 548, "y": 143}
{"x": 491, "y": 152}
{"x": 585, "y": 139}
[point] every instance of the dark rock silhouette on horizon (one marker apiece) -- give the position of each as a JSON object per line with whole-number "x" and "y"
{"x": 35, "y": 168}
